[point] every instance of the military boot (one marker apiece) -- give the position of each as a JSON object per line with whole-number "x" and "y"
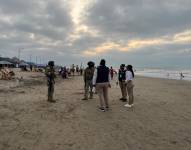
{"x": 85, "y": 98}
{"x": 91, "y": 95}
{"x": 50, "y": 99}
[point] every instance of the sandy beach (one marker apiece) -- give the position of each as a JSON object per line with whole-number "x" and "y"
{"x": 160, "y": 120}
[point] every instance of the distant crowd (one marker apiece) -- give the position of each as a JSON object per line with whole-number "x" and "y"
{"x": 66, "y": 72}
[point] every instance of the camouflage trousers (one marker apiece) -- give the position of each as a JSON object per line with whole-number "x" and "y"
{"x": 88, "y": 85}
{"x": 50, "y": 92}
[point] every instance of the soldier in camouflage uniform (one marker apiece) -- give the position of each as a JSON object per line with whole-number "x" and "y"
{"x": 50, "y": 74}
{"x": 88, "y": 77}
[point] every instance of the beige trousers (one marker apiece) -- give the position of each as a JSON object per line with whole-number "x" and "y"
{"x": 130, "y": 87}
{"x": 102, "y": 90}
{"x": 123, "y": 87}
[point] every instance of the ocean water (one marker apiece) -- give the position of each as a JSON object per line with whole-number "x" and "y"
{"x": 162, "y": 73}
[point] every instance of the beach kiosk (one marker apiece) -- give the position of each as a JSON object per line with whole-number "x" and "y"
{"x": 5, "y": 64}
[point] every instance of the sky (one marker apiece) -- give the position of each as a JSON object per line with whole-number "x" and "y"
{"x": 144, "y": 33}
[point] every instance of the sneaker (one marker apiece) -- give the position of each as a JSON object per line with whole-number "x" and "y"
{"x": 102, "y": 109}
{"x": 127, "y": 105}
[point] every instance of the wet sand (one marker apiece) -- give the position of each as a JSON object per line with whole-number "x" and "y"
{"x": 160, "y": 120}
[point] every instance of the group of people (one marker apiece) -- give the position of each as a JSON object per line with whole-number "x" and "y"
{"x": 77, "y": 69}
{"x": 98, "y": 80}
{"x": 125, "y": 78}
{"x": 65, "y": 72}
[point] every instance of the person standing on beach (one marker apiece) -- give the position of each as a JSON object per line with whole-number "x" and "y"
{"x": 81, "y": 71}
{"x": 181, "y": 75}
{"x": 31, "y": 68}
{"x": 122, "y": 82}
{"x": 129, "y": 81}
{"x": 101, "y": 81}
{"x": 77, "y": 70}
{"x": 50, "y": 74}
{"x": 73, "y": 69}
{"x": 111, "y": 72}
{"x": 88, "y": 77}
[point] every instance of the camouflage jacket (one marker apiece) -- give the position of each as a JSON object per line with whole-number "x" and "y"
{"x": 88, "y": 73}
{"x": 50, "y": 74}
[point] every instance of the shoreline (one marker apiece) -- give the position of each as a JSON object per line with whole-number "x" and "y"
{"x": 162, "y": 78}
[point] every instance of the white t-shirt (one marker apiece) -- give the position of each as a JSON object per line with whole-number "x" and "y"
{"x": 129, "y": 76}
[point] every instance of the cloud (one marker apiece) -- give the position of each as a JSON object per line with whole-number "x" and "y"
{"x": 135, "y": 18}
{"x": 137, "y": 44}
{"x": 42, "y": 18}
{"x": 72, "y": 31}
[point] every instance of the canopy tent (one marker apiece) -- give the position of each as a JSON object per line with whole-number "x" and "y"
{"x": 23, "y": 64}
{"x": 41, "y": 65}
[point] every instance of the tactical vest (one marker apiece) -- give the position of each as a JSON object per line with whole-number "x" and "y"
{"x": 102, "y": 74}
{"x": 122, "y": 75}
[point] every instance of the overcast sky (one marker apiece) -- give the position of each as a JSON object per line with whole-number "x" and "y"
{"x": 150, "y": 33}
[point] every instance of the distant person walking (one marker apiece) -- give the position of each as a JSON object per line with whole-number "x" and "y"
{"x": 129, "y": 80}
{"x": 50, "y": 74}
{"x": 64, "y": 73}
{"x": 81, "y": 71}
{"x": 122, "y": 82}
{"x": 77, "y": 70}
{"x": 111, "y": 72}
{"x": 31, "y": 68}
{"x": 101, "y": 81}
{"x": 73, "y": 69}
{"x": 88, "y": 83}
{"x": 181, "y": 75}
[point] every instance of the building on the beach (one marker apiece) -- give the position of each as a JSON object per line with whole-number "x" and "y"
{"x": 6, "y": 64}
